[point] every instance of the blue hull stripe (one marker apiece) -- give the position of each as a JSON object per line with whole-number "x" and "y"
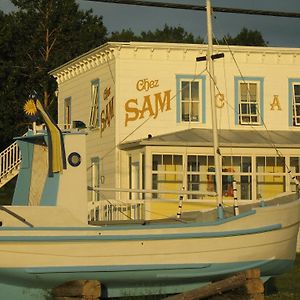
{"x": 119, "y": 268}
{"x": 100, "y": 237}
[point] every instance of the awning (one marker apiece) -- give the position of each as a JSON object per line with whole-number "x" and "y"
{"x": 198, "y": 137}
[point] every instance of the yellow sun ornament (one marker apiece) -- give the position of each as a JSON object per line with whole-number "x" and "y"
{"x": 30, "y": 107}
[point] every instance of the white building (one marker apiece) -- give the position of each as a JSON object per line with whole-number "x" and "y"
{"x": 147, "y": 110}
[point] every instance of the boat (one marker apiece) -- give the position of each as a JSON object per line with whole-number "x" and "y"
{"x": 46, "y": 238}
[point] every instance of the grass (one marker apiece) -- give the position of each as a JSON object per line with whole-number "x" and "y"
{"x": 286, "y": 286}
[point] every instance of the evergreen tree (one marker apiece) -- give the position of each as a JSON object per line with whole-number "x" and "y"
{"x": 168, "y": 34}
{"x": 38, "y": 37}
{"x": 246, "y": 37}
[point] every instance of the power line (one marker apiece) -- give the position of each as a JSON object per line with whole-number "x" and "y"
{"x": 203, "y": 8}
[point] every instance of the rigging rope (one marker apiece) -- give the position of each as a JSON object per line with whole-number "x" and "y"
{"x": 203, "y": 8}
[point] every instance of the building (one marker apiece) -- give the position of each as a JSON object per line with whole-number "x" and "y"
{"x": 147, "y": 110}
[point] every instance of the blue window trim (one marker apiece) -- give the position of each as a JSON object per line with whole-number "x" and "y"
{"x": 97, "y": 82}
{"x": 237, "y": 80}
{"x": 291, "y": 81}
{"x": 202, "y": 79}
{"x": 65, "y": 102}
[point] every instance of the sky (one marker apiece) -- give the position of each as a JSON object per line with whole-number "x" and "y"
{"x": 277, "y": 31}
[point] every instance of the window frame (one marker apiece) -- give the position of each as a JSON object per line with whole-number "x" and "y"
{"x": 94, "y": 120}
{"x": 260, "y": 103}
{"x": 166, "y": 174}
{"x": 201, "y": 79}
{"x": 67, "y": 113}
{"x": 95, "y": 177}
{"x": 291, "y": 83}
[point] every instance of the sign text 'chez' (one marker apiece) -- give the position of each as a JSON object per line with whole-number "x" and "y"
{"x": 150, "y": 105}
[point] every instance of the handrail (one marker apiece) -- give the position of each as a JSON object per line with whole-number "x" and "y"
{"x": 10, "y": 159}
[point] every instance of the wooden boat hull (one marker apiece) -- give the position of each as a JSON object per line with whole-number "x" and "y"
{"x": 151, "y": 258}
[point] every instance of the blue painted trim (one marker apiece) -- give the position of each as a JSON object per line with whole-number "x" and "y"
{"x": 21, "y": 193}
{"x": 117, "y": 268}
{"x": 68, "y": 99}
{"x": 237, "y": 80}
{"x": 290, "y": 100}
{"x": 50, "y": 192}
{"x": 99, "y": 237}
{"x": 97, "y": 82}
{"x": 196, "y": 270}
{"x": 202, "y": 79}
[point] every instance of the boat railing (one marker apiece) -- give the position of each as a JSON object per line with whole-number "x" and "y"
{"x": 134, "y": 208}
{"x": 114, "y": 210}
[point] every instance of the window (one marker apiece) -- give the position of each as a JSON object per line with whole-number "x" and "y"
{"x": 67, "y": 113}
{"x": 95, "y": 177}
{"x": 238, "y": 168}
{"x": 95, "y": 104}
{"x": 167, "y": 174}
{"x": 270, "y": 176}
{"x": 190, "y": 98}
{"x": 201, "y": 175}
{"x": 294, "y": 95}
{"x": 294, "y": 171}
{"x": 249, "y": 100}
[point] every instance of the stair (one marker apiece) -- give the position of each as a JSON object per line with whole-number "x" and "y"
{"x": 10, "y": 160}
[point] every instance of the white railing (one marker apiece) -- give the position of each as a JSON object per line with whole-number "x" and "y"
{"x": 113, "y": 210}
{"x": 10, "y": 160}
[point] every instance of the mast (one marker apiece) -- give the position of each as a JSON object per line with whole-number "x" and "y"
{"x": 217, "y": 154}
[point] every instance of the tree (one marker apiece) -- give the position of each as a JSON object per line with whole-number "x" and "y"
{"x": 40, "y": 36}
{"x": 246, "y": 38}
{"x": 57, "y": 32}
{"x": 167, "y": 34}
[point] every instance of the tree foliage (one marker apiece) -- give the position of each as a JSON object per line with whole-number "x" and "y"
{"x": 246, "y": 37}
{"x": 38, "y": 37}
{"x": 168, "y": 34}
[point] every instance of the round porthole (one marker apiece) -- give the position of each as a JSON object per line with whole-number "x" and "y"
{"x": 74, "y": 159}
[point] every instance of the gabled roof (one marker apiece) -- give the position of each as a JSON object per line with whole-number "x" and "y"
{"x": 198, "y": 137}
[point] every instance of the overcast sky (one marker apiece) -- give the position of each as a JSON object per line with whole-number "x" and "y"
{"x": 277, "y": 31}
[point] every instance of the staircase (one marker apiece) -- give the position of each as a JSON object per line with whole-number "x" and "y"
{"x": 10, "y": 160}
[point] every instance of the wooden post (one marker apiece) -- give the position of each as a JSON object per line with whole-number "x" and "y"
{"x": 248, "y": 284}
{"x": 79, "y": 289}
{"x": 254, "y": 287}
{"x": 215, "y": 288}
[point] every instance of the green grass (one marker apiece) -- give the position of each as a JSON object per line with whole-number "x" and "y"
{"x": 286, "y": 286}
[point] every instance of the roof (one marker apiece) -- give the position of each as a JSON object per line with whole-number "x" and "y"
{"x": 105, "y": 51}
{"x": 198, "y": 137}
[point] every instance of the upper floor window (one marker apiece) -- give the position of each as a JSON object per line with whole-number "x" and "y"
{"x": 249, "y": 100}
{"x": 190, "y": 98}
{"x": 95, "y": 104}
{"x": 294, "y": 95}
